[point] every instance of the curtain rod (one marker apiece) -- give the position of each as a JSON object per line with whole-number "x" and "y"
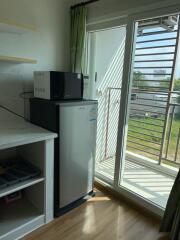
{"x": 84, "y": 3}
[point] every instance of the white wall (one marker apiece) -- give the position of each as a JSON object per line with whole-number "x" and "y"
{"x": 106, "y": 7}
{"x": 109, "y": 8}
{"x": 49, "y": 45}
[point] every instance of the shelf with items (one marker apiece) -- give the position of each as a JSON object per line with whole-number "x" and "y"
{"x": 22, "y": 214}
{"x": 13, "y": 59}
{"x": 7, "y": 26}
{"x": 19, "y": 186}
{"x": 22, "y": 200}
{"x": 17, "y": 173}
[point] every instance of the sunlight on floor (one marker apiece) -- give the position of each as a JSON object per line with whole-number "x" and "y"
{"x": 99, "y": 199}
{"x": 142, "y": 180}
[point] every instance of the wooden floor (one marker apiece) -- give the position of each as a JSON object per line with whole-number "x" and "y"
{"x": 101, "y": 218}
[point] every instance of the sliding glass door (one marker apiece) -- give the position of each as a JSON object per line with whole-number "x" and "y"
{"x": 105, "y": 69}
{"x": 132, "y": 73}
{"x": 148, "y": 155}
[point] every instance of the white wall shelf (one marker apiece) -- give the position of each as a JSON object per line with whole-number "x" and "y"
{"x": 19, "y": 186}
{"x": 17, "y": 59}
{"x": 7, "y": 26}
{"x": 15, "y": 28}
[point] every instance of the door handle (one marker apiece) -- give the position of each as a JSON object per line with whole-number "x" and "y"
{"x": 95, "y": 78}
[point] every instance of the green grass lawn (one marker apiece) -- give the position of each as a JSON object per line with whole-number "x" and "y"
{"x": 138, "y": 126}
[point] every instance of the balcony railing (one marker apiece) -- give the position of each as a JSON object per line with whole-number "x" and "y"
{"x": 146, "y": 126}
{"x": 171, "y": 150}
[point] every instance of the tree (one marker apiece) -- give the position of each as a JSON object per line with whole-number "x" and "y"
{"x": 177, "y": 115}
{"x": 139, "y": 79}
{"x": 178, "y": 99}
{"x": 165, "y": 83}
{"x": 177, "y": 84}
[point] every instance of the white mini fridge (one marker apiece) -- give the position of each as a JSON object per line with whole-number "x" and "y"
{"x": 76, "y": 124}
{"x": 77, "y": 150}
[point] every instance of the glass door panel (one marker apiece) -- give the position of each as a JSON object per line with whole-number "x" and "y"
{"x": 105, "y": 68}
{"x": 152, "y": 118}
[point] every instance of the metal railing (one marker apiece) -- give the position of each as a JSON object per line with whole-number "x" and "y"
{"x": 172, "y": 151}
{"x": 145, "y": 129}
{"x": 155, "y": 62}
{"x": 113, "y": 95}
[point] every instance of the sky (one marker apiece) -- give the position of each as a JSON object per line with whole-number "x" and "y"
{"x": 159, "y": 50}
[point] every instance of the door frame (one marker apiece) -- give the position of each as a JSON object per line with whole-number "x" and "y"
{"x": 102, "y": 26}
{"x": 125, "y": 102}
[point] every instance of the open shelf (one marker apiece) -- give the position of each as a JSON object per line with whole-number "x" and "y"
{"x": 19, "y": 186}
{"x": 14, "y": 27}
{"x": 24, "y": 141}
{"x": 17, "y": 59}
{"x": 17, "y": 215}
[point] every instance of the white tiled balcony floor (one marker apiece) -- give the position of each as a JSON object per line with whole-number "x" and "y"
{"x": 147, "y": 182}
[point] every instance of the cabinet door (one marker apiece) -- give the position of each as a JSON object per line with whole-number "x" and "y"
{"x": 77, "y": 151}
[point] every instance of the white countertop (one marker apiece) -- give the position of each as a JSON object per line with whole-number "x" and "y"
{"x": 15, "y": 131}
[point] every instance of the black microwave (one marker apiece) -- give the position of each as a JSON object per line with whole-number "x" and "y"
{"x": 53, "y": 85}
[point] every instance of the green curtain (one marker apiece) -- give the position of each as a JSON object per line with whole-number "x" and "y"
{"x": 171, "y": 219}
{"x": 78, "y": 32}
